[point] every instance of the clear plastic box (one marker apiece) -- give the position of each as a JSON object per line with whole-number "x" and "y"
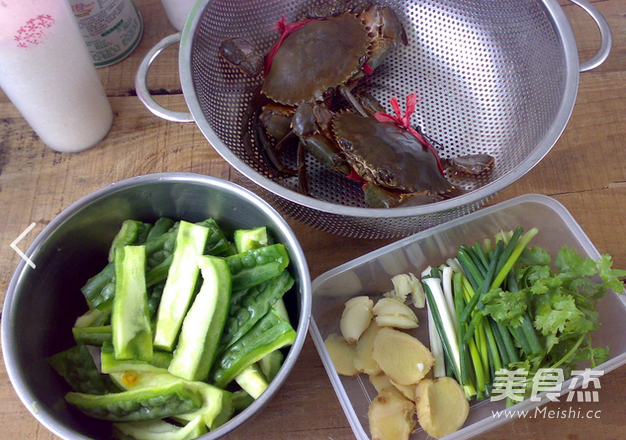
{"x": 371, "y": 275}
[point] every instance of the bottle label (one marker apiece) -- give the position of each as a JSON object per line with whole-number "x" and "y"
{"x": 112, "y": 29}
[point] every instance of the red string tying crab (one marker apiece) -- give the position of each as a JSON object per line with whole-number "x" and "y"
{"x": 405, "y": 122}
{"x": 285, "y": 29}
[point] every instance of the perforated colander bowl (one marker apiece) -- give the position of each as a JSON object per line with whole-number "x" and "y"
{"x": 494, "y": 76}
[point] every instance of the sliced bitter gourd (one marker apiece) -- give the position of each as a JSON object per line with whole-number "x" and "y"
{"x": 252, "y": 380}
{"x": 159, "y": 430}
{"x": 108, "y": 364}
{"x": 180, "y": 284}
{"x": 247, "y": 307}
{"x": 269, "y": 334}
{"x": 79, "y": 370}
{"x": 270, "y": 364}
{"x": 204, "y": 323}
{"x": 256, "y": 266}
{"x": 139, "y": 404}
{"x": 92, "y": 335}
{"x": 217, "y": 405}
{"x": 130, "y": 319}
{"x": 246, "y": 239}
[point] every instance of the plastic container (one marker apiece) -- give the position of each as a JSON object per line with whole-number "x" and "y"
{"x": 371, "y": 274}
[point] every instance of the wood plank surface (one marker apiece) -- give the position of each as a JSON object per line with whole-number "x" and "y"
{"x": 586, "y": 171}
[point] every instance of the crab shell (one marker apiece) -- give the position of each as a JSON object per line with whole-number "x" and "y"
{"x": 387, "y": 155}
{"x": 320, "y": 56}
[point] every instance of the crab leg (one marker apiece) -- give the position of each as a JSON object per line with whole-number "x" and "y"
{"x": 303, "y": 180}
{"x": 471, "y": 164}
{"x": 330, "y": 8}
{"x": 240, "y": 53}
{"x": 267, "y": 150}
{"x": 378, "y": 197}
{"x": 252, "y": 114}
{"x": 369, "y": 103}
{"x": 285, "y": 140}
{"x": 250, "y": 123}
{"x": 354, "y": 102}
{"x": 324, "y": 149}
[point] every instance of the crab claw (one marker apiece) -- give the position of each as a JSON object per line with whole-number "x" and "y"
{"x": 276, "y": 119}
{"x": 241, "y": 54}
{"x": 378, "y": 197}
{"x": 329, "y": 8}
{"x": 473, "y": 164}
{"x": 386, "y": 30}
{"x": 323, "y": 148}
{"x": 384, "y": 22}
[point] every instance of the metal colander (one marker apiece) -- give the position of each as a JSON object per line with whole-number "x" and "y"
{"x": 495, "y": 76}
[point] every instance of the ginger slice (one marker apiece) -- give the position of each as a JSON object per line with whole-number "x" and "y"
{"x": 342, "y": 354}
{"x": 391, "y": 416}
{"x": 364, "y": 362}
{"x": 401, "y": 356}
{"x": 441, "y": 406}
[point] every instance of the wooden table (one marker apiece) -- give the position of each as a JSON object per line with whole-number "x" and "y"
{"x": 586, "y": 171}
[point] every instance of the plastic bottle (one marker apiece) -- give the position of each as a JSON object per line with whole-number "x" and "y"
{"x": 178, "y": 11}
{"x": 47, "y": 72}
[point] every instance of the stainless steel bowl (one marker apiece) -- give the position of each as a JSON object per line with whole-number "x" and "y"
{"x": 42, "y": 303}
{"x": 496, "y": 76}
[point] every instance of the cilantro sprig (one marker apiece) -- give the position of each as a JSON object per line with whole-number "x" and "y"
{"x": 534, "y": 311}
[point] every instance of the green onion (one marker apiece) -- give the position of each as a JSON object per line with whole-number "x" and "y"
{"x": 517, "y": 251}
{"x": 436, "y": 347}
{"x": 500, "y": 343}
{"x": 484, "y": 285}
{"x": 442, "y": 322}
{"x": 459, "y": 302}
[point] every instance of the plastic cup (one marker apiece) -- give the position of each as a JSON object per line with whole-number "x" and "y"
{"x": 177, "y": 12}
{"x": 47, "y": 72}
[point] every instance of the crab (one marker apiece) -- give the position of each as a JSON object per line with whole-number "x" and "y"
{"x": 311, "y": 61}
{"x": 395, "y": 163}
{"x": 315, "y": 56}
{"x": 389, "y": 157}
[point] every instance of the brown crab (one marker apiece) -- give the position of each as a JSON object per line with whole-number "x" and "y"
{"x": 395, "y": 162}
{"x": 317, "y": 55}
{"x": 388, "y": 156}
{"x": 311, "y": 60}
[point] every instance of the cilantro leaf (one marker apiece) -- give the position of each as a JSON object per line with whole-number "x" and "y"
{"x": 546, "y": 285}
{"x": 535, "y": 256}
{"x": 609, "y": 276}
{"x": 533, "y": 276}
{"x": 599, "y": 355}
{"x": 596, "y": 355}
{"x": 560, "y": 316}
{"x": 568, "y": 261}
{"x": 505, "y": 306}
{"x": 551, "y": 341}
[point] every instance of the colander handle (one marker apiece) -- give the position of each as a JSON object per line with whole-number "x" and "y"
{"x": 605, "y": 35}
{"x": 141, "y": 83}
